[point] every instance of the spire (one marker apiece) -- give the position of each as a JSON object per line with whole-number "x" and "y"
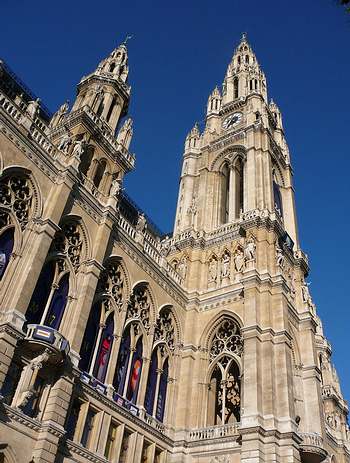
{"x": 115, "y": 65}
{"x": 192, "y": 138}
{"x": 244, "y": 75}
{"x": 214, "y": 102}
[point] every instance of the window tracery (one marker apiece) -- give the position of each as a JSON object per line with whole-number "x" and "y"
{"x": 16, "y": 193}
{"x": 165, "y": 329}
{"x": 111, "y": 283}
{"x": 139, "y": 307}
{"x": 227, "y": 338}
{"x": 69, "y": 241}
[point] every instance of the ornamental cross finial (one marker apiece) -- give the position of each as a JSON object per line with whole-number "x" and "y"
{"x": 244, "y": 36}
{"x": 128, "y": 37}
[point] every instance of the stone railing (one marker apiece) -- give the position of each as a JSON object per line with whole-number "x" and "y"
{"x": 154, "y": 423}
{"x": 214, "y": 432}
{"x": 312, "y": 445}
{"x": 10, "y": 108}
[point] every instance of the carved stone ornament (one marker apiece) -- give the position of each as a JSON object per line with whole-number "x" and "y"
{"x": 212, "y": 269}
{"x": 111, "y": 283}
{"x": 227, "y": 338}
{"x": 225, "y": 265}
{"x": 16, "y": 193}
{"x": 69, "y": 241}
{"x": 139, "y": 307}
{"x": 221, "y": 459}
{"x": 238, "y": 260}
{"x": 165, "y": 329}
{"x": 250, "y": 249}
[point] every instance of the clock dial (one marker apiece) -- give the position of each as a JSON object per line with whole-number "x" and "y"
{"x": 231, "y": 120}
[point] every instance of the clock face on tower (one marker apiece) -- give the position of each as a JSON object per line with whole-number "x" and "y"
{"x": 231, "y": 120}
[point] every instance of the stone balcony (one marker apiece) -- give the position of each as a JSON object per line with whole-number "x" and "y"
{"x": 39, "y": 336}
{"x": 311, "y": 448}
{"x": 214, "y": 432}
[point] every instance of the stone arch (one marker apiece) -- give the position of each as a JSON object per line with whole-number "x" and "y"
{"x": 7, "y": 454}
{"x": 114, "y": 258}
{"x": 178, "y": 327}
{"x": 213, "y": 324}
{"x": 277, "y": 173}
{"x": 34, "y": 194}
{"x": 86, "y": 241}
{"x": 228, "y": 154}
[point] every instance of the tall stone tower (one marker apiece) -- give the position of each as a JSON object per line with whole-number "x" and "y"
{"x": 256, "y": 350}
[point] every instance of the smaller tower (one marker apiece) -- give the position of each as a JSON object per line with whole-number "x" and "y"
{"x": 105, "y": 90}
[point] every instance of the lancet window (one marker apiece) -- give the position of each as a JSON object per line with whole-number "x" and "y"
{"x": 98, "y": 339}
{"x": 231, "y": 191}
{"x": 50, "y": 296}
{"x": 7, "y": 231}
{"x": 277, "y": 197}
{"x": 224, "y": 394}
{"x": 158, "y": 375}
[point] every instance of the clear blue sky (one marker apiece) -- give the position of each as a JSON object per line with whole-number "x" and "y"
{"x": 179, "y": 52}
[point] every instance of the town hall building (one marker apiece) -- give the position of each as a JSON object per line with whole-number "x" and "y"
{"x": 119, "y": 344}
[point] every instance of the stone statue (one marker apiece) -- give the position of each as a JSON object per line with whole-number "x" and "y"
{"x": 306, "y": 293}
{"x": 182, "y": 267}
{"x": 192, "y": 210}
{"x": 59, "y": 115}
{"x": 125, "y": 133}
{"x": 27, "y": 396}
{"x": 225, "y": 265}
{"x": 33, "y": 108}
{"x": 249, "y": 249}
{"x": 116, "y": 187}
{"x": 65, "y": 143}
{"x": 141, "y": 223}
{"x": 279, "y": 257}
{"x": 79, "y": 148}
{"x": 238, "y": 260}
{"x": 212, "y": 269}
{"x": 37, "y": 362}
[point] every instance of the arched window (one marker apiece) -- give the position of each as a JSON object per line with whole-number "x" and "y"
{"x": 122, "y": 362}
{"x": 277, "y": 197}
{"x": 6, "y": 248}
{"x": 157, "y": 382}
{"x": 224, "y": 401}
{"x": 90, "y": 337}
{"x": 225, "y": 193}
{"x": 104, "y": 350}
{"x": 50, "y": 296}
{"x": 111, "y": 67}
{"x": 100, "y": 108}
{"x": 98, "y": 338}
{"x": 235, "y": 87}
{"x": 86, "y": 160}
{"x": 100, "y": 170}
{"x": 135, "y": 372}
{"x": 224, "y": 394}
{"x": 111, "y": 108}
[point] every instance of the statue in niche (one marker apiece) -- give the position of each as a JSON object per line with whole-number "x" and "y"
{"x": 279, "y": 257}
{"x": 306, "y": 293}
{"x": 192, "y": 211}
{"x": 225, "y": 265}
{"x": 141, "y": 223}
{"x": 65, "y": 143}
{"x": 238, "y": 260}
{"x": 33, "y": 108}
{"x": 116, "y": 187}
{"x": 79, "y": 148}
{"x": 182, "y": 267}
{"x": 212, "y": 270}
{"x": 37, "y": 362}
{"x": 250, "y": 249}
{"x": 26, "y": 397}
{"x": 59, "y": 114}
{"x": 125, "y": 133}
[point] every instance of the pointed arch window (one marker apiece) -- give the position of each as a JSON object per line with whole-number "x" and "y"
{"x": 90, "y": 337}
{"x": 6, "y": 247}
{"x": 104, "y": 350}
{"x": 162, "y": 393}
{"x": 225, "y": 193}
{"x": 122, "y": 362}
{"x": 50, "y": 296}
{"x": 277, "y": 198}
{"x": 100, "y": 170}
{"x": 86, "y": 160}
{"x": 135, "y": 372}
{"x": 224, "y": 388}
{"x": 235, "y": 87}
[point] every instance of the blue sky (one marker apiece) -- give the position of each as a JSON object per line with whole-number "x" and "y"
{"x": 179, "y": 52}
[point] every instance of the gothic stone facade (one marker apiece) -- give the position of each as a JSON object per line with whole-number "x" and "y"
{"x": 121, "y": 345}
